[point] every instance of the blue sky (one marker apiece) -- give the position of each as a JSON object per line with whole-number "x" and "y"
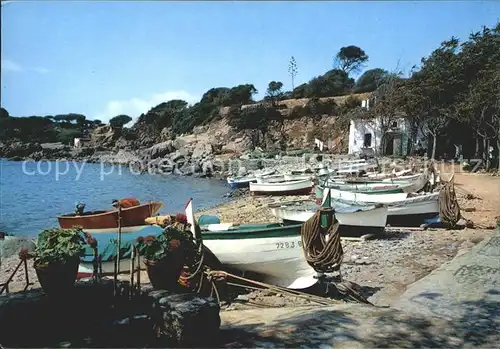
{"x": 106, "y": 58}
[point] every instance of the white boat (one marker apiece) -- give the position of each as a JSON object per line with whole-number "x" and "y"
{"x": 300, "y": 177}
{"x": 244, "y": 181}
{"x": 302, "y": 187}
{"x": 403, "y": 209}
{"x": 264, "y": 172}
{"x": 394, "y": 174}
{"x": 240, "y": 182}
{"x": 363, "y": 219}
{"x": 355, "y": 168}
{"x": 270, "y": 252}
{"x": 407, "y": 184}
{"x": 276, "y": 178}
{"x": 366, "y": 198}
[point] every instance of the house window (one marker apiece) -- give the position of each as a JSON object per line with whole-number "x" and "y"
{"x": 368, "y": 140}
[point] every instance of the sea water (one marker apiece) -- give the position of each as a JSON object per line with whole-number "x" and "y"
{"x": 33, "y": 194}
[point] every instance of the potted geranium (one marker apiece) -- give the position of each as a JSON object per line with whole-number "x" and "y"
{"x": 165, "y": 254}
{"x": 57, "y": 257}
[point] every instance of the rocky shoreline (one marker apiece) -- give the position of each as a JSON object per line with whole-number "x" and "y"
{"x": 182, "y": 157}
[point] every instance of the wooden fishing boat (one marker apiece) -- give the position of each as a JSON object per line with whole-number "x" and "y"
{"x": 240, "y": 182}
{"x": 132, "y": 216}
{"x": 368, "y": 188}
{"x": 302, "y": 187}
{"x": 275, "y": 178}
{"x": 272, "y": 253}
{"x": 298, "y": 177}
{"x": 356, "y": 168}
{"x": 394, "y": 174}
{"x": 403, "y": 209}
{"x": 353, "y": 220}
{"x": 244, "y": 181}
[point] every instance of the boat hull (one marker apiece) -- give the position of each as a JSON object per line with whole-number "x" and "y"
{"x": 278, "y": 261}
{"x": 271, "y": 253}
{"x": 271, "y": 179}
{"x": 409, "y": 211}
{"x": 302, "y": 187}
{"x": 236, "y": 185}
{"x": 133, "y": 216}
{"x": 358, "y": 222}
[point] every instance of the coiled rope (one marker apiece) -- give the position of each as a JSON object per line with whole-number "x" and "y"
{"x": 322, "y": 247}
{"x": 449, "y": 210}
{"x": 323, "y": 252}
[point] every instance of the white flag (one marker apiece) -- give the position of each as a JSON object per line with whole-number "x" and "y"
{"x": 189, "y": 214}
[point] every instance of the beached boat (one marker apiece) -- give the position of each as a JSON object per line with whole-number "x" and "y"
{"x": 353, "y": 219}
{"x": 275, "y": 178}
{"x": 302, "y": 187}
{"x": 272, "y": 252}
{"x": 240, "y": 182}
{"x": 394, "y": 174}
{"x": 298, "y": 177}
{"x": 356, "y": 168}
{"x": 244, "y": 181}
{"x": 403, "y": 209}
{"x": 368, "y": 188}
{"x": 407, "y": 185}
{"x": 131, "y": 216}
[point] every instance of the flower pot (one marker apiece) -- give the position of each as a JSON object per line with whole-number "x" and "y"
{"x": 58, "y": 278}
{"x": 163, "y": 274}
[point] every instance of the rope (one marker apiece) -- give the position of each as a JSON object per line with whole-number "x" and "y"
{"x": 322, "y": 250}
{"x": 449, "y": 210}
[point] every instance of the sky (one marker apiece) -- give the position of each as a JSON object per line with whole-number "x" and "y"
{"x": 102, "y": 59}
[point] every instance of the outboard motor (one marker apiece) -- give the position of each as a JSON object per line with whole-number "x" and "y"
{"x": 80, "y": 207}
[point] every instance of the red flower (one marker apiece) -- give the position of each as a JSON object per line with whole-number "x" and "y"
{"x": 139, "y": 240}
{"x": 149, "y": 238}
{"x": 92, "y": 242}
{"x": 24, "y": 253}
{"x": 174, "y": 243}
{"x": 181, "y": 218}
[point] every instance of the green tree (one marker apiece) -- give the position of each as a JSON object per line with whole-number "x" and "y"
{"x": 120, "y": 120}
{"x": 4, "y": 113}
{"x": 274, "y": 92}
{"x": 441, "y": 79}
{"x": 334, "y": 82}
{"x": 350, "y": 59}
{"x": 370, "y": 80}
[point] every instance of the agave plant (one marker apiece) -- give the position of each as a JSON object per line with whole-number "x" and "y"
{"x": 59, "y": 246}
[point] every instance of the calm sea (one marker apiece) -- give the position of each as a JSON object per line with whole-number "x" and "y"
{"x": 33, "y": 194}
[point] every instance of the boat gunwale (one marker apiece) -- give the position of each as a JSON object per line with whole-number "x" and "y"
{"x": 73, "y": 216}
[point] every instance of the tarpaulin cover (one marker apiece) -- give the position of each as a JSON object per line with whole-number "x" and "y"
{"x": 107, "y": 243}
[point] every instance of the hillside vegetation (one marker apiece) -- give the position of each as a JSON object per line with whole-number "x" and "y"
{"x": 452, "y": 97}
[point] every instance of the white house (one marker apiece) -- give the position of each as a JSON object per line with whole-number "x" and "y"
{"x": 365, "y": 134}
{"x": 80, "y": 142}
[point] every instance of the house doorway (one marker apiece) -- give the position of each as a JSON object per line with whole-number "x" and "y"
{"x": 389, "y": 145}
{"x": 367, "y": 141}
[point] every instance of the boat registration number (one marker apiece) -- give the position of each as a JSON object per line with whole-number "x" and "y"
{"x": 288, "y": 244}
